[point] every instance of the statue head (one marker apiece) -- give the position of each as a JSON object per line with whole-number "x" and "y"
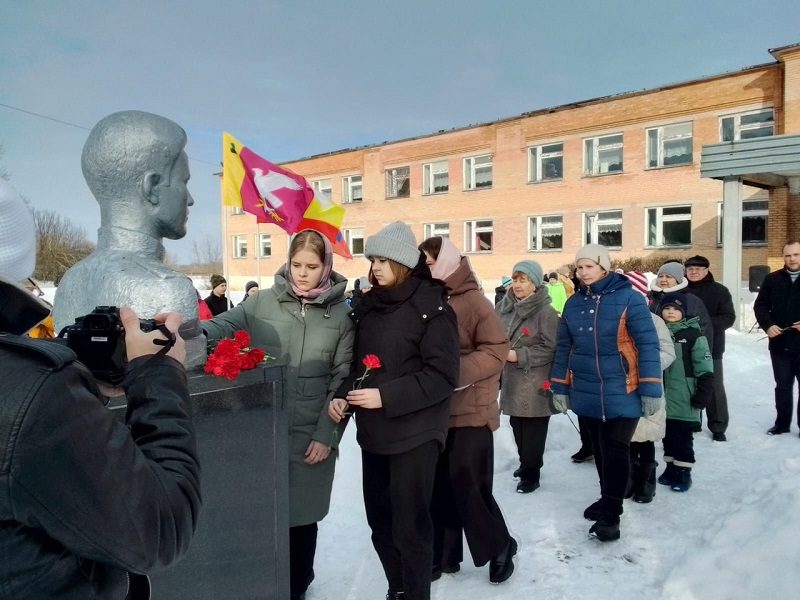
{"x": 135, "y": 165}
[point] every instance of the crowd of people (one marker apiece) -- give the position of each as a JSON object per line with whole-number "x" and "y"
{"x": 424, "y": 365}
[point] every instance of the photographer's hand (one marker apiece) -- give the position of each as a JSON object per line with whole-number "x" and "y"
{"x": 139, "y": 343}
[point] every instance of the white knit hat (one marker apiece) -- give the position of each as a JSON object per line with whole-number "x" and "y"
{"x": 396, "y": 242}
{"x": 17, "y": 236}
{"x": 597, "y": 253}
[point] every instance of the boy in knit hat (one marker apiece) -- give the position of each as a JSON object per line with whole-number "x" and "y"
{"x": 688, "y": 386}
{"x": 216, "y": 301}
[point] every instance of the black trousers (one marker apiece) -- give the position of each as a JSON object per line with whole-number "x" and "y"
{"x": 611, "y": 444}
{"x": 463, "y": 503}
{"x": 786, "y": 369}
{"x": 644, "y": 452}
{"x": 302, "y": 547}
{"x": 679, "y": 442}
{"x": 717, "y": 410}
{"x": 397, "y": 497}
{"x": 530, "y": 434}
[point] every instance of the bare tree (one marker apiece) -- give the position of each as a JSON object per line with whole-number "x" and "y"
{"x": 59, "y": 245}
{"x": 207, "y": 253}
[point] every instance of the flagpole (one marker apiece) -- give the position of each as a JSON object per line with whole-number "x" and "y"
{"x": 258, "y": 253}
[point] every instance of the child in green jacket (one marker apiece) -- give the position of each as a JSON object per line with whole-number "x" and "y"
{"x": 688, "y": 385}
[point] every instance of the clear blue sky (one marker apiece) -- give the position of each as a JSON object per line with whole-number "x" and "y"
{"x": 293, "y": 78}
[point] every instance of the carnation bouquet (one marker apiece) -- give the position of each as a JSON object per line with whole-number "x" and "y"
{"x": 232, "y": 356}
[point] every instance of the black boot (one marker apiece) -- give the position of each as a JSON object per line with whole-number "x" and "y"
{"x": 594, "y": 511}
{"x": 646, "y": 487}
{"x": 668, "y": 476}
{"x": 683, "y": 479}
{"x": 584, "y": 454}
{"x": 606, "y": 529}
{"x": 390, "y": 595}
{"x": 634, "y": 480}
{"x": 502, "y": 566}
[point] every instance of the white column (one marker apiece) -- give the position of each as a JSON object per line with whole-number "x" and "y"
{"x": 732, "y": 242}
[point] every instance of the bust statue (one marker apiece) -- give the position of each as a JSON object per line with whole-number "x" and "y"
{"x": 135, "y": 165}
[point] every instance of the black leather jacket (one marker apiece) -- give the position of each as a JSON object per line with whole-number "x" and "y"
{"x": 86, "y": 499}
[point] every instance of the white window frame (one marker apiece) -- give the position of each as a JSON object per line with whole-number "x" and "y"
{"x": 738, "y": 128}
{"x": 595, "y": 147}
{"x": 262, "y": 240}
{"x": 351, "y": 236}
{"x": 592, "y": 221}
{"x": 660, "y": 219}
{"x": 323, "y": 187}
{"x": 237, "y": 210}
{"x": 429, "y": 173}
{"x": 747, "y": 211}
{"x": 538, "y": 154}
{"x": 538, "y": 224}
{"x": 352, "y": 189}
{"x": 663, "y": 135}
{"x": 472, "y": 166}
{"x": 435, "y": 230}
{"x": 472, "y": 229}
{"x": 395, "y": 181}
{"x": 239, "y": 246}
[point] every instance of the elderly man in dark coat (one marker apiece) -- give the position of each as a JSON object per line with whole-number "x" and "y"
{"x": 717, "y": 299}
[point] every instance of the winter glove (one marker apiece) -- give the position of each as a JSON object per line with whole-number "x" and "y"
{"x": 650, "y": 405}
{"x": 560, "y": 403}
{"x": 703, "y": 393}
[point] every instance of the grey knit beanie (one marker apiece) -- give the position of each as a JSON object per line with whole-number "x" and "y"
{"x": 17, "y": 236}
{"x": 672, "y": 268}
{"x": 250, "y": 285}
{"x": 597, "y": 253}
{"x": 532, "y": 269}
{"x": 396, "y": 242}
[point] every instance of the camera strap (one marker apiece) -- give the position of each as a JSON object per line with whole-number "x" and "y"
{"x": 167, "y": 343}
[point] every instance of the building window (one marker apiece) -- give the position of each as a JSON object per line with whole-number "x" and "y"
{"x": 669, "y": 145}
{"x": 237, "y": 210}
{"x": 478, "y": 236}
{"x": 264, "y": 245}
{"x": 240, "y": 246}
{"x": 755, "y": 218}
{"x": 545, "y": 163}
{"x": 398, "y": 182}
{"x": 546, "y": 233}
{"x": 602, "y": 155}
{"x": 351, "y": 189}
{"x": 746, "y": 126}
{"x": 604, "y": 228}
{"x": 354, "y": 238}
{"x": 323, "y": 190}
{"x": 436, "y": 229}
{"x": 478, "y": 172}
{"x": 669, "y": 226}
{"x": 435, "y": 178}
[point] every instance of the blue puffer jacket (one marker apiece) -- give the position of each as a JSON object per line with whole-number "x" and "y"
{"x": 607, "y": 351}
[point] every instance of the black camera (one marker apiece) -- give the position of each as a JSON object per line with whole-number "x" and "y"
{"x": 98, "y": 339}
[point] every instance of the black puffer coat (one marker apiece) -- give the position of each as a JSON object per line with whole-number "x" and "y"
{"x": 413, "y": 331}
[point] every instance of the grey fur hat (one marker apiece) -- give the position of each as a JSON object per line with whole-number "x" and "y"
{"x": 396, "y": 242}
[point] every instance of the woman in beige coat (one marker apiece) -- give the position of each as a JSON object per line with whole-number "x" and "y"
{"x": 532, "y": 326}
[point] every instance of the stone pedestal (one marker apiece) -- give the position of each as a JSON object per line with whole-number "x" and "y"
{"x": 241, "y": 546}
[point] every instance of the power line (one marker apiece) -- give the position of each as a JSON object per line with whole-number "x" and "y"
{"x": 40, "y": 116}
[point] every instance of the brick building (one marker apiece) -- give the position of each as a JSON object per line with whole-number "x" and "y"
{"x": 622, "y": 170}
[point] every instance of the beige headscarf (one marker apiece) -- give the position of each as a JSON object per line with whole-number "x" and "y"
{"x": 447, "y": 262}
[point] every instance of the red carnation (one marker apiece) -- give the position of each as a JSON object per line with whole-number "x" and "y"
{"x": 525, "y": 331}
{"x": 371, "y": 361}
{"x": 546, "y": 385}
{"x": 242, "y": 339}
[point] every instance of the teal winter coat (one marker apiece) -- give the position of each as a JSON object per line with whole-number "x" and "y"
{"x": 691, "y": 375}
{"x": 315, "y": 342}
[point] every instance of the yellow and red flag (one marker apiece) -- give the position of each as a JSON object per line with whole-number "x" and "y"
{"x": 276, "y": 195}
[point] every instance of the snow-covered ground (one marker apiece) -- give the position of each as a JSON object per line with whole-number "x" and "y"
{"x": 734, "y": 535}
